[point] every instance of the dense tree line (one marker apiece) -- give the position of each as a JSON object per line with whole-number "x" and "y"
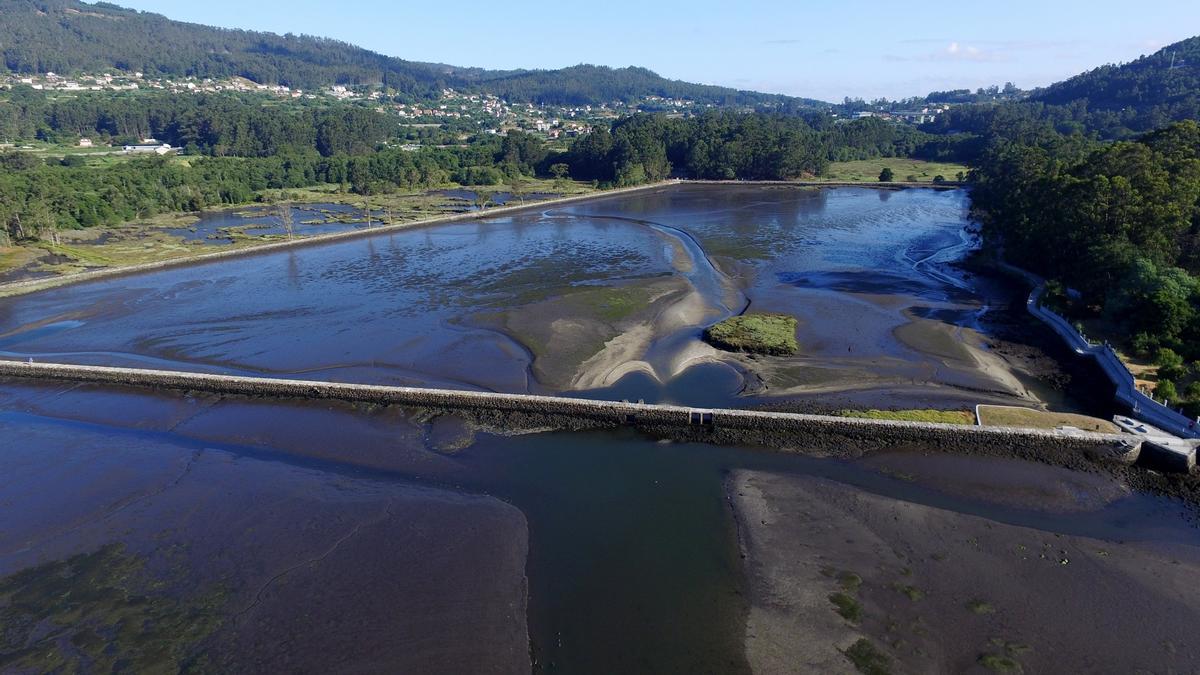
{"x": 1161, "y": 87}
{"x": 1117, "y": 222}
{"x": 1076, "y": 117}
{"x": 728, "y": 145}
{"x": 37, "y": 198}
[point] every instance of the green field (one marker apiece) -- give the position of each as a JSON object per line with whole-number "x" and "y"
{"x": 95, "y": 157}
{"x": 867, "y": 170}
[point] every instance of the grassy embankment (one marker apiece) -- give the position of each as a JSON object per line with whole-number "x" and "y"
{"x": 867, "y": 170}
{"x": 926, "y": 415}
{"x": 993, "y": 416}
{"x": 773, "y": 334}
{"x": 1028, "y": 418}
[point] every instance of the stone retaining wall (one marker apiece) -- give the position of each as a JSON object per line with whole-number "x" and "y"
{"x": 812, "y": 434}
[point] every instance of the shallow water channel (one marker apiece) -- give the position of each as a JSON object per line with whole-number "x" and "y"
{"x": 312, "y": 536}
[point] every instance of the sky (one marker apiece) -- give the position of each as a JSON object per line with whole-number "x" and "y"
{"x": 825, "y": 50}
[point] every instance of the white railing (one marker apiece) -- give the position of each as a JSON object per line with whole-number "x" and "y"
{"x": 1142, "y": 406}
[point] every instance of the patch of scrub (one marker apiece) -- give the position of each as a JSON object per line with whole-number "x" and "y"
{"x": 772, "y": 334}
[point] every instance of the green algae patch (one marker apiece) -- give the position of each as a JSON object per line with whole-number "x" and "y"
{"x": 773, "y": 334}
{"x": 847, "y": 607}
{"x": 868, "y": 659}
{"x": 101, "y": 612}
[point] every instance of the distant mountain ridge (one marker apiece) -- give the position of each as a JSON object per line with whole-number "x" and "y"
{"x": 68, "y": 36}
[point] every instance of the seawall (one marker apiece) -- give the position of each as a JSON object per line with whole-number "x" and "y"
{"x": 817, "y": 435}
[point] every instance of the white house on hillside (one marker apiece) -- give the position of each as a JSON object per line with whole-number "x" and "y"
{"x": 147, "y": 149}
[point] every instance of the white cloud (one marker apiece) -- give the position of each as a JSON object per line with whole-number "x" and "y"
{"x": 955, "y": 51}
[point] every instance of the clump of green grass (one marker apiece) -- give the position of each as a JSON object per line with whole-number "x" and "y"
{"x": 911, "y": 592}
{"x": 980, "y": 607}
{"x": 847, "y": 607}
{"x": 849, "y": 581}
{"x": 773, "y": 334}
{"x": 867, "y": 658}
{"x": 998, "y": 663}
{"x": 920, "y": 415}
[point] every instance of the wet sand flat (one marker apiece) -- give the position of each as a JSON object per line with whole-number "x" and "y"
{"x": 932, "y": 590}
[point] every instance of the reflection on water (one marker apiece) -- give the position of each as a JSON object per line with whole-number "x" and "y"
{"x": 222, "y": 227}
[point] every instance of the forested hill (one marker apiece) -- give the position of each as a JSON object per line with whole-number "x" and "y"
{"x": 67, "y": 37}
{"x": 1169, "y": 75}
{"x": 1164, "y": 86}
{"x": 590, "y": 84}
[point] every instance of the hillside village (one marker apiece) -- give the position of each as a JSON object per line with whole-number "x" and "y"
{"x": 460, "y": 112}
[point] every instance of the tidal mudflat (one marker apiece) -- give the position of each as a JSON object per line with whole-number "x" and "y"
{"x": 607, "y": 298}
{"x": 268, "y": 535}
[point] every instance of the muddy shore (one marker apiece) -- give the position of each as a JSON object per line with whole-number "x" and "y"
{"x": 840, "y": 576}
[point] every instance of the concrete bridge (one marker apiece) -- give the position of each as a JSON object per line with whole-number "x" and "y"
{"x": 819, "y": 435}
